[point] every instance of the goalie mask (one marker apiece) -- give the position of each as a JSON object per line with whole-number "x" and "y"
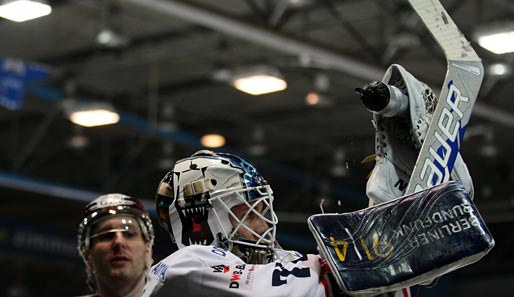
{"x": 196, "y": 201}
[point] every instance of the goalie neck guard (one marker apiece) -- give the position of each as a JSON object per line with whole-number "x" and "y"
{"x": 195, "y": 201}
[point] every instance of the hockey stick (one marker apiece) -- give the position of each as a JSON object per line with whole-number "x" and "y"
{"x": 460, "y": 88}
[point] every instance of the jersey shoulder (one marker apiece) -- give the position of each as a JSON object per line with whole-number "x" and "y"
{"x": 286, "y": 256}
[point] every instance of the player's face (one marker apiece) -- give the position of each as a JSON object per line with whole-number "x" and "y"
{"x": 252, "y": 221}
{"x": 118, "y": 251}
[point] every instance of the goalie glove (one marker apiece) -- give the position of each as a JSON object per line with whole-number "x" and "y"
{"x": 402, "y": 109}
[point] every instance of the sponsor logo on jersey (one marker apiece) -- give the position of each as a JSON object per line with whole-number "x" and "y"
{"x": 159, "y": 270}
{"x": 219, "y": 251}
{"x": 249, "y": 276}
{"x": 220, "y": 268}
{"x": 236, "y": 276}
{"x": 401, "y": 184}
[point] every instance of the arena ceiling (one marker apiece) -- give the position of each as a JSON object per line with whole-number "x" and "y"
{"x": 166, "y": 75}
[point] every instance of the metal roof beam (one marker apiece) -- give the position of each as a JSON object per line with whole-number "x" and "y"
{"x": 268, "y": 38}
{"x": 279, "y": 42}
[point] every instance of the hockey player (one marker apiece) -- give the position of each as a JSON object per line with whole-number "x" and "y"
{"x": 115, "y": 239}
{"x": 219, "y": 211}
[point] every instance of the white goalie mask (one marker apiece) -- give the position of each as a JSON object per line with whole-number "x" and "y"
{"x": 195, "y": 201}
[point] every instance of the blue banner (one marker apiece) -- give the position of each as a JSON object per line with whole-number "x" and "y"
{"x": 15, "y": 75}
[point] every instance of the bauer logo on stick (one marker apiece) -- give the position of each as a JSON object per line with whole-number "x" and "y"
{"x": 448, "y": 135}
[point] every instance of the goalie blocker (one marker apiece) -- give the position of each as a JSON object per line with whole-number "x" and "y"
{"x": 403, "y": 242}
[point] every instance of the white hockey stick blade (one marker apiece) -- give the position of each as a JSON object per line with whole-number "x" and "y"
{"x": 458, "y": 95}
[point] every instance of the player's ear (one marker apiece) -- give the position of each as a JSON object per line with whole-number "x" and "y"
{"x": 149, "y": 254}
{"x": 87, "y": 257}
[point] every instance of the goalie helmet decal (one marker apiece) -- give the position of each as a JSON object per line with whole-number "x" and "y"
{"x": 194, "y": 204}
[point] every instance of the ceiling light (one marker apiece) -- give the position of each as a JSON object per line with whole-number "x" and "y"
{"x": 94, "y": 117}
{"x": 488, "y": 150}
{"x": 167, "y": 159}
{"x": 90, "y": 114}
{"x": 212, "y": 140}
{"x": 110, "y": 38}
{"x": 499, "y": 43}
{"x": 78, "y": 141}
{"x": 499, "y": 69}
{"x": 24, "y": 10}
{"x": 298, "y": 3}
{"x": 257, "y": 147}
{"x": 312, "y": 98}
{"x": 259, "y": 80}
{"x": 319, "y": 96}
{"x": 497, "y": 38}
{"x": 340, "y": 166}
{"x": 318, "y": 99}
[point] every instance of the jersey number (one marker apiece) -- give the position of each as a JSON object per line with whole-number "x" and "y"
{"x": 280, "y": 272}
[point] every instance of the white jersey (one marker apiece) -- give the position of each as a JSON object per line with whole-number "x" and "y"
{"x": 198, "y": 270}
{"x": 211, "y": 271}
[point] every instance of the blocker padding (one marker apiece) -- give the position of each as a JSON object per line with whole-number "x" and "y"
{"x": 403, "y": 242}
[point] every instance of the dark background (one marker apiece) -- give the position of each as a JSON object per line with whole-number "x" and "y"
{"x": 165, "y": 82}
